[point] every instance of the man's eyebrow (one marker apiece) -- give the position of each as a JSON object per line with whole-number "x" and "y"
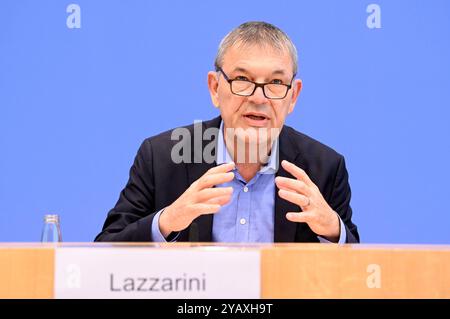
{"x": 281, "y": 72}
{"x": 240, "y": 69}
{"x": 276, "y": 72}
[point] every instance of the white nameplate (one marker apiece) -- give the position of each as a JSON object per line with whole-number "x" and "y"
{"x": 124, "y": 272}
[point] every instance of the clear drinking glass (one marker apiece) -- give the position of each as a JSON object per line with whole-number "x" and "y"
{"x": 51, "y": 233}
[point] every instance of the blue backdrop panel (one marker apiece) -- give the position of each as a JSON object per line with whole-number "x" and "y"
{"x": 75, "y": 103}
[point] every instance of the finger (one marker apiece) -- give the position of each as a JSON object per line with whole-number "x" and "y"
{"x": 303, "y": 217}
{"x": 295, "y": 198}
{"x": 208, "y": 181}
{"x": 202, "y": 209}
{"x": 222, "y": 200}
{"x": 223, "y": 168}
{"x": 210, "y": 193}
{"x": 293, "y": 184}
{"x": 297, "y": 172}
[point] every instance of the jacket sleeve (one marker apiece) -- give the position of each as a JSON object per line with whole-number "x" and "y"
{"x": 131, "y": 218}
{"x": 340, "y": 202}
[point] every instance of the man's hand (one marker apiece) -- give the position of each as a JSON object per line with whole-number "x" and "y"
{"x": 316, "y": 212}
{"x": 200, "y": 198}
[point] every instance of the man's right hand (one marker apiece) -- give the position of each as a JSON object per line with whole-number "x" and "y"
{"x": 199, "y": 199}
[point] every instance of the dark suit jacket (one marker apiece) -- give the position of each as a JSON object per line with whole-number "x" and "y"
{"x": 156, "y": 181}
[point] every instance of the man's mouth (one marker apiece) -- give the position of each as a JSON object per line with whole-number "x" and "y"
{"x": 256, "y": 117}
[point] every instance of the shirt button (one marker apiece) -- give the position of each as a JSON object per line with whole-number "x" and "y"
{"x": 245, "y": 189}
{"x": 242, "y": 221}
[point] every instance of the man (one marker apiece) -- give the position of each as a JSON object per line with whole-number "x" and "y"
{"x": 294, "y": 190}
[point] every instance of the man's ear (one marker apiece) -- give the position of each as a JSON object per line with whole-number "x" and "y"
{"x": 296, "y": 88}
{"x": 213, "y": 85}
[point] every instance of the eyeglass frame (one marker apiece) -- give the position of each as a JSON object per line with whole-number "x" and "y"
{"x": 257, "y": 85}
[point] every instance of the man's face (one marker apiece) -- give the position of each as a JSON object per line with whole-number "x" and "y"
{"x": 257, "y": 64}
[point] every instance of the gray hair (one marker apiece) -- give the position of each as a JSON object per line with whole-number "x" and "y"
{"x": 259, "y": 33}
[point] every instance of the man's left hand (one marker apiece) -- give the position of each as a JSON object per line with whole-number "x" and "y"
{"x": 316, "y": 212}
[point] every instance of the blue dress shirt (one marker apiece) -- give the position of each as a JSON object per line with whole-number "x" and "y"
{"x": 249, "y": 216}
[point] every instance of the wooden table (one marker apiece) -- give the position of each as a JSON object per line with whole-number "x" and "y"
{"x": 287, "y": 270}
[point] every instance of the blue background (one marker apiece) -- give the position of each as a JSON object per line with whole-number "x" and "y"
{"x": 75, "y": 104}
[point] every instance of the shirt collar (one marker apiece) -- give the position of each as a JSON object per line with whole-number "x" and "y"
{"x": 224, "y": 157}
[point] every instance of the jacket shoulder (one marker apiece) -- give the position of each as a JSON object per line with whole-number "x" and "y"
{"x": 165, "y": 140}
{"x": 308, "y": 147}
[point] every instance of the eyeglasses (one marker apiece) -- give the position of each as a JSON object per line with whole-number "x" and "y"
{"x": 274, "y": 91}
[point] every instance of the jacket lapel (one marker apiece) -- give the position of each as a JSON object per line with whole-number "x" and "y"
{"x": 202, "y": 230}
{"x": 284, "y": 229}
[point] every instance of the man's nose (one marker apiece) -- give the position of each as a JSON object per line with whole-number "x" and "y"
{"x": 258, "y": 96}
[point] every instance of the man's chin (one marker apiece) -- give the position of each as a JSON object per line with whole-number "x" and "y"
{"x": 252, "y": 135}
